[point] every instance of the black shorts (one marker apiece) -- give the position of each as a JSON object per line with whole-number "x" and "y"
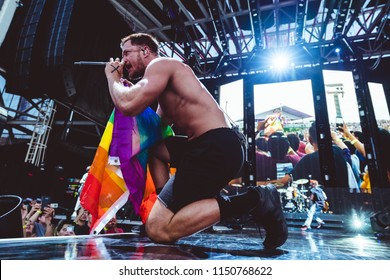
{"x": 203, "y": 166}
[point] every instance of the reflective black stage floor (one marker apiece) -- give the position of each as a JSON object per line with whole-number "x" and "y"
{"x": 222, "y": 244}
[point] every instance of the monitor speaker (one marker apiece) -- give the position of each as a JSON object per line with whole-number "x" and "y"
{"x": 380, "y": 223}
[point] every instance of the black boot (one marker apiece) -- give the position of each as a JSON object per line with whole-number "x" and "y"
{"x": 268, "y": 213}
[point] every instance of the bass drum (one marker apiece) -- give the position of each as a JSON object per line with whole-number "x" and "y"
{"x": 290, "y": 205}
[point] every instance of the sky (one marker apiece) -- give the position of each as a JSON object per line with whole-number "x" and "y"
{"x": 298, "y": 95}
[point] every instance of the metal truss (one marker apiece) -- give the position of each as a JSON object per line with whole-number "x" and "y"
{"x": 230, "y": 32}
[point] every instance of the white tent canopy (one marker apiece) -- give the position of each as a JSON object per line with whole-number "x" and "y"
{"x": 289, "y": 113}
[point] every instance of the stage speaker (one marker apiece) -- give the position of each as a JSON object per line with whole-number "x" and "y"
{"x": 10, "y": 216}
{"x": 59, "y": 37}
{"x": 380, "y": 223}
{"x": 29, "y": 70}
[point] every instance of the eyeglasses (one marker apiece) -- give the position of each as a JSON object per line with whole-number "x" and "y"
{"x": 126, "y": 52}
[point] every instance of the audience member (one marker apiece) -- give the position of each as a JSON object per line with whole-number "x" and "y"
{"x": 262, "y": 145}
{"x": 274, "y": 123}
{"x": 24, "y": 209}
{"x": 82, "y": 226}
{"x": 32, "y": 208}
{"x": 37, "y": 220}
{"x": 82, "y": 182}
{"x": 355, "y": 161}
{"x": 29, "y": 229}
{"x": 65, "y": 228}
{"x": 309, "y": 149}
{"x": 45, "y": 220}
{"x": 365, "y": 186}
{"x": 112, "y": 227}
{"x": 309, "y": 165}
{"x": 359, "y": 145}
{"x": 382, "y": 152}
{"x": 278, "y": 147}
{"x": 302, "y": 143}
{"x": 295, "y": 142}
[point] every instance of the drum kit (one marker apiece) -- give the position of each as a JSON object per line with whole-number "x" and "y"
{"x": 294, "y": 198}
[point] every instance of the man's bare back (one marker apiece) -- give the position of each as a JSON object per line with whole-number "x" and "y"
{"x": 186, "y": 102}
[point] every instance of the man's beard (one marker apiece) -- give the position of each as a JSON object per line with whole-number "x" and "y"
{"x": 137, "y": 73}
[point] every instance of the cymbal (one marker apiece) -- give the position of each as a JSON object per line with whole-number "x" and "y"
{"x": 301, "y": 181}
{"x": 236, "y": 185}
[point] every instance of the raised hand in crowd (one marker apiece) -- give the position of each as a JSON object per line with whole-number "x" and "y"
{"x": 354, "y": 141}
{"x": 46, "y": 220}
{"x": 24, "y": 211}
{"x": 35, "y": 211}
{"x": 336, "y": 140}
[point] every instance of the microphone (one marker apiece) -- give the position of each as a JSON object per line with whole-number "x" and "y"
{"x": 94, "y": 63}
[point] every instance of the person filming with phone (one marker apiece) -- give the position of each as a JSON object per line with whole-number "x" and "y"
{"x": 40, "y": 216}
{"x": 65, "y": 228}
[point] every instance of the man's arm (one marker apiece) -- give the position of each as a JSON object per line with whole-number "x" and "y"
{"x": 358, "y": 145}
{"x": 346, "y": 153}
{"x": 133, "y": 99}
{"x": 282, "y": 181}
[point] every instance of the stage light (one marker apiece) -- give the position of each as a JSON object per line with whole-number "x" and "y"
{"x": 337, "y": 50}
{"x": 280, "y": 61}
{"x": 358, "y": 221}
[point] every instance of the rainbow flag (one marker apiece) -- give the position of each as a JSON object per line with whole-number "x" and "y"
{"x": 119, "y": 170}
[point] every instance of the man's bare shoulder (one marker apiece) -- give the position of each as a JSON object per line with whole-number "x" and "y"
{"x": 165, "y": 60}
{"x": 167, "y": 66}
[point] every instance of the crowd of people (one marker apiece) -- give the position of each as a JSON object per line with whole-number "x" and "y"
{"x": 289, "y": 148}
{"x": 38, "y": 221}
{"x": 300, "y": 155}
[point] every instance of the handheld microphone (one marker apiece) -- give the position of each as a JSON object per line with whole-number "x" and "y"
{"x": 93, "y": 63}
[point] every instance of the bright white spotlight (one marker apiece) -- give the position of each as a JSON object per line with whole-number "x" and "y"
{"x": 357, "y": 223}
{"x": 280, "y": 61}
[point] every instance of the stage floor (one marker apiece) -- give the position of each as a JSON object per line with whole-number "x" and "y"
{"x": 221, "y": 244}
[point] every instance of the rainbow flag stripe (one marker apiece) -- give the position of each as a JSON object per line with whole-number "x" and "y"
{"x": 119, "y": 171}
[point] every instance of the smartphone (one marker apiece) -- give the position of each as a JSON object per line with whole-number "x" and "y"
{"x": 45, "y": 202}
{"x": 70, "y": 228}
{"x": 54, "y": 205}
{"x": 339, "y": 123}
